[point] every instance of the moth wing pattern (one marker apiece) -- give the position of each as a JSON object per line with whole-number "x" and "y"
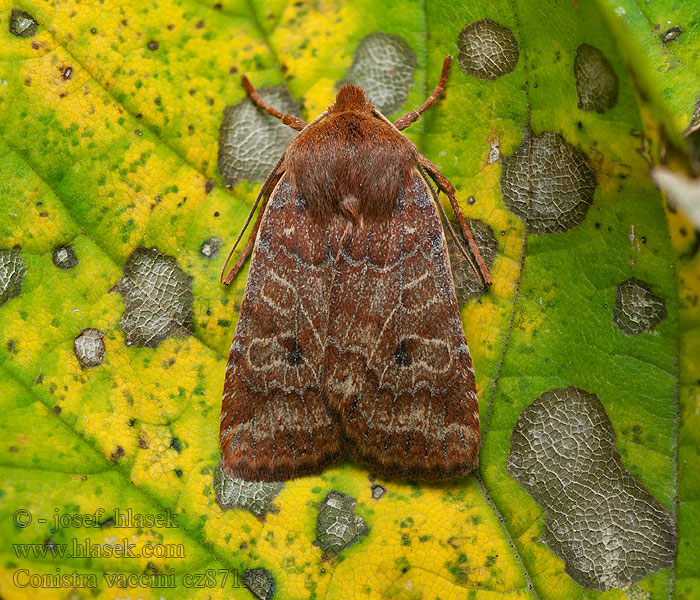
{"x": 398, "y": 372}
{"x": 274, "y": 423}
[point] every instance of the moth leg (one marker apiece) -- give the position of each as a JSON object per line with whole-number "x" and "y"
{"x": 265, "y": 192}
{"x": 444, "y": 185}
{"x": 412, "y": 117}
{"x": 448, "y": 224}
{"x": 290, "y": 120}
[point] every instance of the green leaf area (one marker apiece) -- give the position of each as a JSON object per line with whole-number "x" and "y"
{"x": 129, "y": 159}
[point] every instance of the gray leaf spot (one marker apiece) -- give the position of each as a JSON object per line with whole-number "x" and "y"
{"x": 253, "y": 496}
{"x": 64, "y": 258}
{"x": 487, "y": 50}
{"x": 469, "y": 285}
{"x": 89, "y": 348}
{"x": 157, "y": 298}
{"x": 383, "y": 66}
{"x": 22, "y": 24}
{"x": 548, "y": 183}
{"x": 251, "y": 141}
{"x": 12, "y": 272}
{"x": 337, "y": 525}
{"x": 608, "y": 528}
{"x": 596, "y": 81}
{"x": 637, "y": 309}
{"x": 260, "y": 583}
{"x": 210, "y": 247}
{"x": 378, "y": 491}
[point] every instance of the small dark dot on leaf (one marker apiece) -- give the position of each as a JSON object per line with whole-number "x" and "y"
{"x": 117, "y": 453}
{"x": 671, "y": 34}
{"x": 153, "y": 45}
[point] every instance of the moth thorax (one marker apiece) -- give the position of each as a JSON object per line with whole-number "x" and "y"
{"x": 351, "y": 163}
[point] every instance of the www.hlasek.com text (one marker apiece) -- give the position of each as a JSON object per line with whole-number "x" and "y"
{"x": 86, "y": 548}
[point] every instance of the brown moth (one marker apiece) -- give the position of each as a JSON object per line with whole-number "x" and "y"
{"x": 349, "y": 340}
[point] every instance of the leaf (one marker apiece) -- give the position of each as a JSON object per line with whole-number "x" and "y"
{"x": 114, "y": 330}
{"x": 660, "y": 44}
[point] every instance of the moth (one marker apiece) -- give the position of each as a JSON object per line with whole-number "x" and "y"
{"x": 349, "y": 341}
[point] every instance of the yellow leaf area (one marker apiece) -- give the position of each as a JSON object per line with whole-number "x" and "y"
{"x": 423, "y": 542}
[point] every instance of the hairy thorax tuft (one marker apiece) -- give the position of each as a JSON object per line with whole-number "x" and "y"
{"x": 350, "y": 162}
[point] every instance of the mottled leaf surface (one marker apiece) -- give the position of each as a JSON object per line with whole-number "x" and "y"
{"x": 129, "y": 159}
{"x": 659, "y": 41}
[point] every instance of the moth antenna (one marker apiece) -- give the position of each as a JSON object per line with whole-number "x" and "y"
{"x": 323, "y": 115}
{"x": 245, "y": 253}
{"x": 414, "y": 115}
{"x": 453, "y": 233}
{"x": 264, "y": 194}
{"x": 290, "y": 120}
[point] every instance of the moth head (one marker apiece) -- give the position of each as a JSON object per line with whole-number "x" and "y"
{"x": 350, "y": 97}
